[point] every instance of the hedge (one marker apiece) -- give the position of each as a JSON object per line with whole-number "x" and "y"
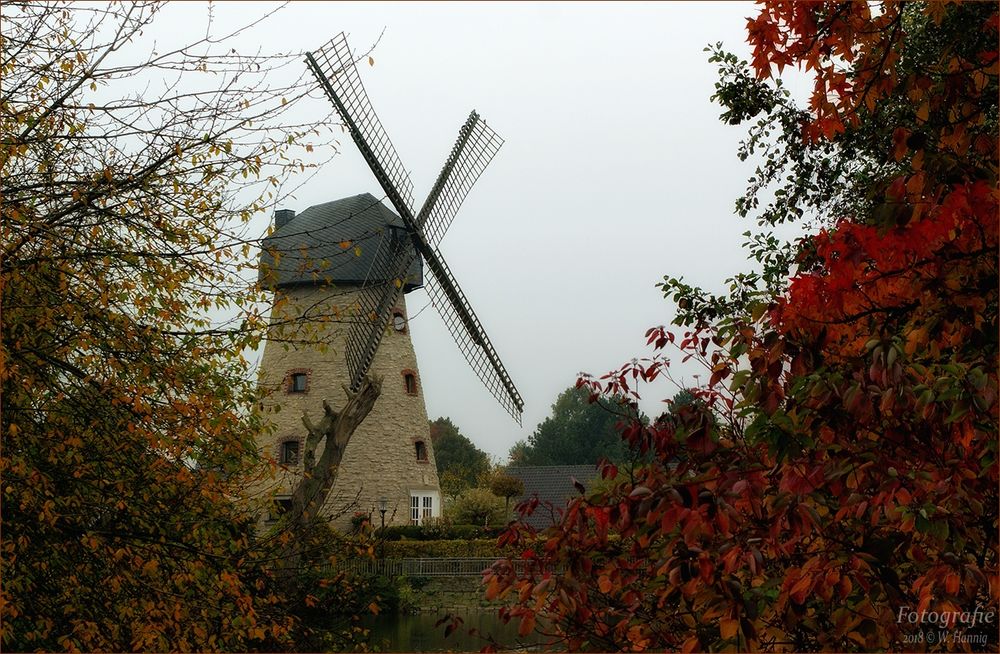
{"x": 421, "y": 549}
{"x": 439, "y": 531}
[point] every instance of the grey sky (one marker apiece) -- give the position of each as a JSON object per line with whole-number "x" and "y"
{"x": 616, "y": 171}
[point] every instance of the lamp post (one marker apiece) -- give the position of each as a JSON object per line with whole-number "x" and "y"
{"x": 383, "y": 506}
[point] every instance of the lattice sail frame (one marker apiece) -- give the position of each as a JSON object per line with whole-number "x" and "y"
{"x": 378, "y": 295}
{"x": 476, "y": 146}
{"x": 337, "y": 74}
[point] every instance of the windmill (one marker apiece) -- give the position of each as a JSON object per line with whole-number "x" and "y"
{"x": 335, "y": 70}
{"x": 309, "y": 263}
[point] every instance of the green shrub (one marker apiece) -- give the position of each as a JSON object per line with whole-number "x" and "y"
{"x": 435, "y": 530}
{"x": 466, "y": 532}
{"x": 439, "y": 530}
{"x": 406, "y": 598}
{"x": 477, "y": 506}
{"x": 414, "y": 549}
{"x": 400, "y": 532}
{"x": 472, "y": 532}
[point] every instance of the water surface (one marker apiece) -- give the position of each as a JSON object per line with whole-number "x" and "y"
{"x": 417, "y": 633}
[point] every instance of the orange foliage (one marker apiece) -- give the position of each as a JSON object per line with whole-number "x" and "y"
{"x": 841, "y": 465}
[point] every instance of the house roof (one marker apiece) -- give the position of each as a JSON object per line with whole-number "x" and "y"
{"x": 552, "y": 484}
{"x": 318, "y": 245}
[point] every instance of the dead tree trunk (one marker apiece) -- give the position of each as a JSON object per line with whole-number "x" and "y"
{"x": 331, "y": 434}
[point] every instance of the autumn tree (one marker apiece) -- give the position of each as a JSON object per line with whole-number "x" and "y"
{"x": 128, "y": 179}
{"x": 840, "y": 467}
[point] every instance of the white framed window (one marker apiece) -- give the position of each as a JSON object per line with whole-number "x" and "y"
{"x": 424, "y": 505}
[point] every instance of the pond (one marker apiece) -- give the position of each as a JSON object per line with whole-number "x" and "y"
{"x": 417, "y": 633}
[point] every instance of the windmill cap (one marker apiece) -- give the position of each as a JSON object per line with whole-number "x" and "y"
{"x": 331, "y": 243}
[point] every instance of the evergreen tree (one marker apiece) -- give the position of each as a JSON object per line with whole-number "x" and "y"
{"x": 577, "y": 432}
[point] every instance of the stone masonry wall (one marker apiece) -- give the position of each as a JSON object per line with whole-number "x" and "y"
{"x": 381, "y": 458}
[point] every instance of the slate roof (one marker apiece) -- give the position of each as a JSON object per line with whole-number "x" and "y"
{"x": 310, "y": 244}
{"x": 552, "y": 484}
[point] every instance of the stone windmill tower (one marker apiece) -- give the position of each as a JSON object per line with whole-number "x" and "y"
{"x": 340, "y": 272}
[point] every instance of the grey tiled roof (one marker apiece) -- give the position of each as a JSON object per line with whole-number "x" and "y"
{"x": 310, "y": 244}
{"x": 552, "y": 484}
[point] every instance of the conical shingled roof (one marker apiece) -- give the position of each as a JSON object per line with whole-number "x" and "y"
{"x": 311, "y": 246}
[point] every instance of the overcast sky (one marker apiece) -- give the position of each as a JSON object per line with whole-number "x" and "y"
{"x": 615, "y": 171}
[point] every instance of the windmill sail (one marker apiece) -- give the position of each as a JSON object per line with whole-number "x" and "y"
{"x": 373, "y": 307}
{"x": 476, "y": 146}
{"x": 451, "y": 303}
{"x": 334, "y": 68}
{"x": 337, "y": 74}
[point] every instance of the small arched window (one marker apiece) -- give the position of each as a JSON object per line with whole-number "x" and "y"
{"x": 297, "y": 380}
{"x": 410, "y": 382}
{"x": 288, "y": 453}
{"x": 421, "y": 449}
